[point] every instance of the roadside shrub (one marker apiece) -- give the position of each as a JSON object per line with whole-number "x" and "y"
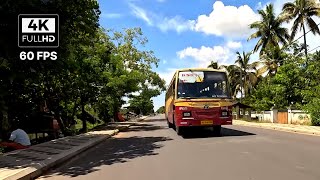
{"x": 313, "y": 107}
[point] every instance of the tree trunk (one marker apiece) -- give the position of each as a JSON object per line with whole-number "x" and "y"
{"x": 245, "y": 86}
{"x": 54, "y": 106}
{"x": 4, "y": 125}
{"x": 83, "y": 118}
{"x": 241, "y": 85}
{"x": 115, "y": 113}
{"x": 57, "y": 116}
{"x": 305, "y": 43}
{"x": 1, "y": 128}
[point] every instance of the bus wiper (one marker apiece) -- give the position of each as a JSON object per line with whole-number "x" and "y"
{"x": 189, "y": 97}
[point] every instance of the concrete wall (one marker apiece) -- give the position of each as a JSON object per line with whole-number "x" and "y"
{"x": 298, "y": 117}
{"x": 265, "y": 116}
{"x": 294, "y": 116}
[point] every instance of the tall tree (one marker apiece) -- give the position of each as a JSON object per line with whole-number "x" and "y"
{"x": 269, "y": 30}
{"x": 234, "y": 74}
{"x": 137, "y": 63}
{"x": 161, "y": 110}
{"x": 270, "y": 60}
{"x": 248, "y": 77}
{"x": 302, "y": 12}
{"x": 28, "y": 83}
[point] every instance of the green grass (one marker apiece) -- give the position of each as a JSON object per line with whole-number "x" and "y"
{"x": 40, "y": 135}
{"x": 90, "y": 126}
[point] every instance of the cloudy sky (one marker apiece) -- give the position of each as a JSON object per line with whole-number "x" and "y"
{"x": 190, "y": 33}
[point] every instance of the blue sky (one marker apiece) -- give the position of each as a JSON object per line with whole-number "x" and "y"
{"x": 187, "y": 33}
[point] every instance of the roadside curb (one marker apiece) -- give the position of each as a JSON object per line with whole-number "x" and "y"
{"x": 142, "y": 118}
{"x": 37, "y": 169}
{"x": 286, "y": 129}
{"x": 139, "y": 119}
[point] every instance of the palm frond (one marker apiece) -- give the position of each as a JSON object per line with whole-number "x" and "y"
{"x": 254, "y": 35}
{"x": 295, "y": 26}
{"x": 262, "y": 70}
{"x": 313, "y": 26}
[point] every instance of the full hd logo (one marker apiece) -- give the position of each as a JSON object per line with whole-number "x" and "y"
{"x": 39, "y": 32}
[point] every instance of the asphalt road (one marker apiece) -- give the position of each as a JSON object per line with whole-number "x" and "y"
{"x": 152, "y": 151}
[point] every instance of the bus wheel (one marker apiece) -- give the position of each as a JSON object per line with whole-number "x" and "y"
{"x": 217, "y": 130}
{"x": 170, "y": 125}
{"x": 173, "y": 123}
{"x": 179, "y": 130}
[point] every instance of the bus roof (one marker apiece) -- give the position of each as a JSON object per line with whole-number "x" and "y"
{"x": 200, "y": 69}
{"x": 194, "y": 69}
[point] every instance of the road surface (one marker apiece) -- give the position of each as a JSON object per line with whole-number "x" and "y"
{"x": 152, "y": 151}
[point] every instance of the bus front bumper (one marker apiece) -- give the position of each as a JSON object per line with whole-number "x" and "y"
{"x": 204, "y": 122}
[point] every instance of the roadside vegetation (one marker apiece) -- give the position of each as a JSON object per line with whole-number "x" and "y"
{"x": 286, "y": 75}
{"x": 95, "y": 70}
{"x": 161, "y": 110}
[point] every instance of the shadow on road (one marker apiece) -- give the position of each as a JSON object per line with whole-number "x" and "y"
{"x": 207, "y": 133}
{"x": 112, "y": 151}
{"x": 156, "y": 120}
{"x": 144, "y": 127}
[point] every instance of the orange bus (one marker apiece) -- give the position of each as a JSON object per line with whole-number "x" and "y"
{"x": 198, "y": 97}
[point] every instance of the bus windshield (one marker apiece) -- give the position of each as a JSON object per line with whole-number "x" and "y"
{"x": 202, "y": 84}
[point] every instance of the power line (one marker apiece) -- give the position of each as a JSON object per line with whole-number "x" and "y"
{"x": 307, "y": 52}
{"x": 291, "y": 42}
{"x": 314, "y": 48}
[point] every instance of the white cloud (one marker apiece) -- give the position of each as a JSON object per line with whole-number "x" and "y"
{"x": 227, "y": 21}
{"x": 205, "y": 55}
{"x": 141, "y": 14}
{"x": 111, "y": 15}
{"x": 176, "y": 23}
{"x": 164, "y": 62}
{"x": 165, "y": 24}
{"x": 234, "y": 45}
{"x": 167, "y": 75}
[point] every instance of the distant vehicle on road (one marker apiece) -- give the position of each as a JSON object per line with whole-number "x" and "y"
{"x": 198, "y": 97}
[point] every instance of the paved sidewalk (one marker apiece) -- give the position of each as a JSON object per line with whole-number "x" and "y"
{"x": 32, "y": 162}
{"x": 138, "y": 119}
{"x": 313, "y": 130}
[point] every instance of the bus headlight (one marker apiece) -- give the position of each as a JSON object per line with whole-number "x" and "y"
{"x": 186, "y": 114}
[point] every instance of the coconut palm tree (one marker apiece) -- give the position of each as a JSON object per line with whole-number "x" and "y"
{"x": 248, "y": 75}
{"x": 236, "y": 79}
{"x": 270, "y": 60}
{"x": 302, "y": 12}
{"x": 234, "y": 74}
{"x": 269, "y": 30}
{"x": 240, "y": 75}
{"x": 213, "y": 65}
